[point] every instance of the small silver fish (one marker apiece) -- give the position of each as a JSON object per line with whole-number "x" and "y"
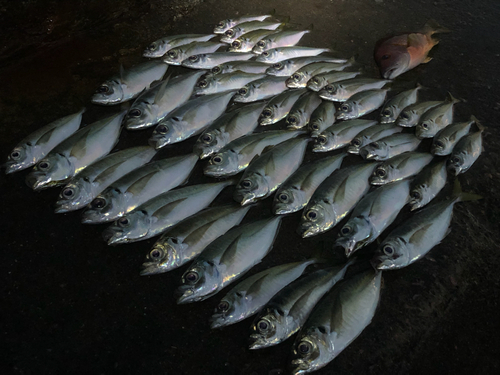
{"x": 243, "y": 66}
{"x": 427, "y": 184}
{"x": 466, "y": 152}
{"x": 410, "y": 115}
{"x": 342, "y": 90}
{"x": 300, "y": 77}
{"x": 300, "y": 113}
{"x": 224, "y": 82}
{"x": 210, "y": 60}
{"x": 280, "y": 39}
{"x": 361, "y": 104}
{"x": 243, "y": 28}
{"x": 286, "y": 68}
{"x": 447, "y": 138}
{"x": 275, "y": 55}
{"x": 322, "y": 118}
{"x": 279, "y": 106}
{"x": 35, "y": 146}
{"x": 372, "y": 134}
{"x": 340, "y": 134}
{"x": 317, "y": 82}
{"x": 396, "y": 104}
{"x": 177, "y": 55}
{"x": 159, "y": 47}
{"x": 228, "y": 23}
{"x": 435, "y": 119}
{"x": 246, "y": 42}
{"x": 263, "y": 88}
{"x": 387, "y": 147}
{"x": 399, "y": 167}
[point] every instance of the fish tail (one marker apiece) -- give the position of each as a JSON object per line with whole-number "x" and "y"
{"x": 454, "y": 100}
{"x": 309, "y": 28}
{"x": 460, "y": 196}
{"x": 432, "y": 27}
{"x": 480, "y": 126}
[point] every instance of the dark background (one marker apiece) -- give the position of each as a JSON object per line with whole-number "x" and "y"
{"x": 71, "y": 304}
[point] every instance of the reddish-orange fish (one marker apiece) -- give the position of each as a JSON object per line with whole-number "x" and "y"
{"x": 398, "y": 54}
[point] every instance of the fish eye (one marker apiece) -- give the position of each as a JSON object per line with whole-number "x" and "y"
{"x": 223, "y": 306}
{"x": 162, "y": 129}
{"x": 98, "y": 203}
{"x": 246, "y": 184}
{"x": 68, "y": 192}
{"x": 296, "y": 77}
{"x": 385, "y": 57}
{"x": 311, "y": 215}
{"x": 152, "y": 46}
{"x": 267, "y": 113}
{"x": 229, "y": 32}
{"x": 277, "y": 65}
{"x": 375, "y": 145}
{"x": 455, "y": 160}
{"x": 304, "y": 347}
{"x": 380, "y": 172}
{"x": 123, "y": 222}
{"x": 356, "y": 142}
{"x": 405, "y": 116}
{"x": 315, "y": 127}
{"x": 346, "y": 230}
{"x": 283, "y": 197}
{"x": 329, "y": 88}
{"x": 102, "y": 89}
{"x": 344, "y": 108}
{"x": 242, "y": 91}
{"x": 216, "y": 69}
{"x": 291, "y": 120}
{"x": 315, "y": 80}
{"x": 203, "y": 83}
{"x": 415, "y": 195}
{"x": 425, "y": 125}
{"x": 207, "y": 138}
{"x": 172, "y": 54}
{"x": 265, "y": 54}
{"x": 439, "y": 144}
{"x": 386, "y": 112}
{"x": 135, "y": 112}
{"x": 191, "y": 277}
{"x": 388, "y": 250}
{"x": 322, "y": 139}
{"x": 220, "y": 24}
{"x": 262, "y": 325}
{"x": 217, "y": 159}
{"x": 193, "y": 58}
{"x": 15, "y": 155}
{"x": 261, "y": 43}
{"x": 236, "y": 44}
{"x": 43, "y": 165}
{"x": 156, "y": 254}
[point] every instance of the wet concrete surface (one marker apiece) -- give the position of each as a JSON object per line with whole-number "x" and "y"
{"x": 71, "y": 304}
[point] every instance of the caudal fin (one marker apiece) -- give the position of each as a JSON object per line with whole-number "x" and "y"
{"x": 433, "y": 27}
{"x": 462, "y": 196}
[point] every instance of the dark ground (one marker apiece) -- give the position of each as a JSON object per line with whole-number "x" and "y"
{"x": 72, "y": 305}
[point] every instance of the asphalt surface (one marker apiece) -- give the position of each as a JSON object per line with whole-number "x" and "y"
{"x": 71, "y": 304}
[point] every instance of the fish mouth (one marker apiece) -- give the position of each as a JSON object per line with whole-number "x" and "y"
{"x": 390, "y": 74}
{"x": 113, "y": 237}
{"x": 157, "y": 142}
{"x": 454, "y": 170}
{"x": 217, "y": 321}
{"x": 150, "y": 268}
{"x": 186, "y": 295}
{"x": 307, "y": 231}
{"x": 63, "y": 207}
{"x": 11, "y": 166}
{"x": 376, "y": 181}
{"x": 256, "y": 342}
{"x": 301, "y": 367}
{"x": 348, "y": 245}
{"x": 353, "y": 150}
{"x": 35, "y": 182}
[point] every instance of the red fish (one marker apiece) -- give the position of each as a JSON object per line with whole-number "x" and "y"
{"x": 398, "y": 54}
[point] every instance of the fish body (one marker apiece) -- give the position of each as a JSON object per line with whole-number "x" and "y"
{"x": 190, "y": 119}
{"x": 336, "y": 321}
{"x": 302, "y": 109}
{"x": 275, "y": 55}
{"x": 90, "y": 182}
{"x": 263, "y": 88}
{"x": 186, "y": 240}
{"x": 227, "y": 128}
{"x": 279, "y": 106}
{"x": 137, "y": 187}
{"x": 237, "y": 155}
{"x": 340, "y": 134}
{"x": 300, "y": 77}
{"x": 243, "y": 66}
{"x": 224, "y": 82}
{"x": 155, "y": 104}
{"x": 227, "y": 259}
{"x": 322, "y": 118}
{"x": 210, "y": 60}
{"x": 335, "y": 198}
{"x": 251, "y": 294}
{"x": 38, "y": 144}
{"x": 410, "y": 115}
{"x": 228, "y": 23}
{"x": 159, "y": 47}
{"x": 230, "y": 35}
{"x": 447, "y": 138}
{"x": 286, "y": 68}
{"x": 288, "y": 310}
{"x": 163, "y": 211}
{"x": 372, "y": 134}
{"x": 396, "y": 104}
{"x": 435, "y": 119}
{"x": 387, "y": 147}
{"x": 318, "y": 81}
{"x": 130, "y": 83}
{"x": 399, "y": 167}
{"x": 372, "y": 215}
{"x": 76, "y": 152}
{"x": 294, "y": 194}
{"x": 279, "y": 39}
{"x": 266, "y": 173}
{"x": 247, "y": 41}
{"x": 466, "y": 152}
{"x": 342, "y": 90}
{"x": 427, "y": 184}
{"x": 361, "y": 103}
{"x": 177, "y": 55}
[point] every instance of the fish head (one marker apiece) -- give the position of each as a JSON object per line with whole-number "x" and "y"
{"x": 105, "y": 207}
{"x": 223, "y": 26}
{"x": 296, "y": 120}
{"x": 387, "y": 115}
{"x": 311, "y": 351}
{"x": 317, "y": 83}
{"x": 382, "y": 174}
{"x": 209, "y": 142}
{"x": 245, "y": 94}
{"x": 315, "y": 126}
{"x": 326, "y": 141}
{"x": 355, "y": 145}
{"x": 21, "y": 157}
{"x": 392, "y": 60}
{"x": 168, "y": 131}
{"x": 391, "y": 255}
{"x": 261, "y": 46}
{"x": 289, "y": 200}
{"x": 205, "y": 85}
{"x": 220, "y": 69}
{"x": 156, "y": 49}
{"x": 251, "y": 187}
{"x": 331, "y": 92}
{"x": 277, "y": 68}
{"x": 74, "y": 195}
{"x": 142, "y": 115}
{"x": 440, "y": 146}
{"x": 267, "y": 115}
{"x": 222, "y": 164}
{"x": 296, "y": 80}
{"x": 456, "y": 163}
{"x": 317, "y": 218}
{"x": 200, "y": 281}
{"x": 231, "y": 34}
{"x": 240, "y": 44}
{"x": 128, "y": 228}
{"x": 175, "y": 56}
{"x": 426, "y": 129}
{"x": 110, "y": 92}
{"x": 164, "y": 256}
{"x": 229, "y": 310}
{"x": 374, "y": 151}
{"x": 348, "y": 110}
{"x": 195, "y": 61}
{"x": 353, "y": 234}
{"x": 267, "y": 329}
{"x": 417, "y": 194}
{"x": 50, "y": 171}
{"x": 407, "y": 118}
{"x": 268, "y": 56}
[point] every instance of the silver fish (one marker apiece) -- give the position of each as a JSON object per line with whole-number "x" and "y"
{"x": 361, "y": 104}
{"x": 275, "y": 55}
{"x": 300, "y": 77}
{"x": 210, "y": 60}
{"x": 163, "y": 211}
{"x": 466, "y": 152}
{"x": 335, "y": 198}
{"x": 410, "y": 115}
{"x": 399, "y": 167}
{"x": 340, "y": 134}
{"x": 387, "y": 147}
{"x": 299, "y": 115}
{"x": 189, "y": 119}
{"x": 447, "y": 138}
{"x": 159, "y": 47}
{"x": 227, "y": 128}
{"x": 336, "y": 321}
{"x": 280, "y": 39}
{"x": 243, "y": 66}
{"x": 286, "y": 68}
{"x": 322, "y": 118}
{"x": 251, "y": 294}
{"x": 372, "y": 215}
{"x": 76, "y": 153}
{"x": 246, "y": 42}
{"x": 177, "y": 55}
{"x": 85, "y": 186}
{"x": 260, "y": 89}
{"x": 137, "y": 187}
{"x": 288, "y": 310}
{"x": 224, "y": 82}
{"x": 243, "y": 28}
{"x": 317, "y": 82}
{"x": 129, "y": 83}
{"x": 266, "y": 173}
{"x": 435, "y": 119}
{"x": 190, "y": 237}
{"x": 153, "y": 105}
{"x": 227, "y": 259}
{"x": 396, "y": 104}
{"x": 294, "y": 194}
{"x": 427, "y": 184}
{"x": 342, "y": 90}
{"x": 372, "y": 134}
{"x": 228, "y": 23}
{"x": 279, "y": 106}
{"x": 237, "y": 155}
{"x": 39, "y": 143}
